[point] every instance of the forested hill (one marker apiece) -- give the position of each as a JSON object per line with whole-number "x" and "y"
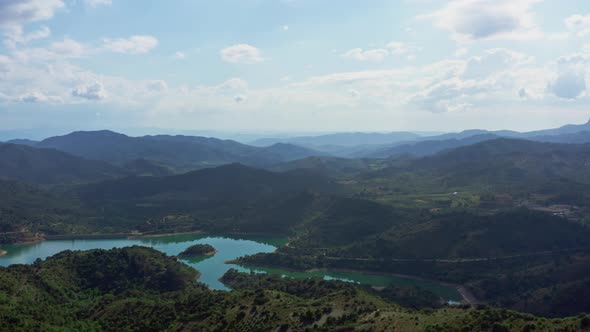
{"x": 230, "y": 182}
{"x": 49, "y": 166}
{"x": 141, "y": 289}
{"x": 179, "y": 152}
{"x": 501, "y": 163}
{"x": 232, "y": 197}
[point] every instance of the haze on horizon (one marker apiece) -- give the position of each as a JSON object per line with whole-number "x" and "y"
{"x": 293, "y": 66}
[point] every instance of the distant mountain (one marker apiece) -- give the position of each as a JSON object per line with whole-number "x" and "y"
{"x": 377, "y": 145}
{"x": 288, "y": 152}
{"x": 501, "y": 163}
{"x": 342, "y": 139}
{"x": 574, "y": 138}
{"x": 465, "y": 134}
{"x": 26, "y": 142}
{"x": 180, "y": 152}
{"x": 228, "y": 146}
{"x": 144, "y": 167}
{"x": 185, "y": 153}
{"x": 426, "y": 148}
{"x": 48, "y": 166}
{"x": 510, "y": 149}
{"x": 567, "y": 129}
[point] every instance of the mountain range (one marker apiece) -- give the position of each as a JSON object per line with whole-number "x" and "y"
{"x": 429, "y": 204}
{"x": 184, "y": 153}
{"x": 81, "y": 157}
{"x": 179, "y": 152}
{"x": 385, "y": 145}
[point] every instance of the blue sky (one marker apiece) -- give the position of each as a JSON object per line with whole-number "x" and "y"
{"x": 294, "y": 65}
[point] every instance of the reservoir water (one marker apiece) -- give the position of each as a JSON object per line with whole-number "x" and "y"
{"x": 213, "y": 267}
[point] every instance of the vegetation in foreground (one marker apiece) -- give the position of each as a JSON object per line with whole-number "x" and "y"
{"x": 140, "y": 289}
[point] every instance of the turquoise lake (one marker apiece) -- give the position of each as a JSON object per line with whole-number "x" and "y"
{"x": 213, "y": 267}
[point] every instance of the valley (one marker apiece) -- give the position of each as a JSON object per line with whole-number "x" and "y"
{"x": 501, "y": 222}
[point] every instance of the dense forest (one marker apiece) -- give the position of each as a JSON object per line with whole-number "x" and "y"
{"x": 505, "y": 218}
{"x": 140, "y": 289}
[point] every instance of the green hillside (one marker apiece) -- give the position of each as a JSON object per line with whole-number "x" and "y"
{"x": 49, "y": 167}
{"x": 227, "y": 198}
{"x": 26, "y": 210}
{"x": 140, "y": 289}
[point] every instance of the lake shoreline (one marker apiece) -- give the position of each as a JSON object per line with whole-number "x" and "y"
{"x": 462, "y": 291}
{"x": 149, "y": 236}
{"x": 98, "y": 236}
{"x": 466, "y": 295}
{"x": 131, "y": 236}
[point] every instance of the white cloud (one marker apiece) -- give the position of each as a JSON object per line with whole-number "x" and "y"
{"x": 498, "y": 76}
{"x": 449, "y": 95}
{"x": 97, "y": 3}
{"x": 494, "y": 77}
{"x": 180, "y": 55}
{"x": 235, "y": 88}
{"x": 493, "y": 61}
{"x": 366, "y": 55}
{"x": 157, "y": 86}
{"x": 578, "y": 24}
{"x": 5, "y": 63}
{"x": 379, "y": 54}
{"x": 399, "y": 48}
{"x": 575, "y": 59}
{"x": 49, "y": 71}
{"x": 570, "y": 73}
{"x": 461, "y": 52}
{"x": 17, "y": 36}
{"x": 403, "y": 49}
{"x": 241, "y": 53}
{"x": 488, "y": 19}
{"x": 38, "y": 97}
{"x": 15, "y": 13}
{"x": 354, "y": 94}
{"x": 93, "y": 91}
{"x": 139, "y": 44}
{"x": 68, "y": 48}
{"x": 56, "y": 51}
{"x": 568, "y": 85}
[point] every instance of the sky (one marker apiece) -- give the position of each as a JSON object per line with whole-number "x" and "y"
{"x": 286, "y": 66}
